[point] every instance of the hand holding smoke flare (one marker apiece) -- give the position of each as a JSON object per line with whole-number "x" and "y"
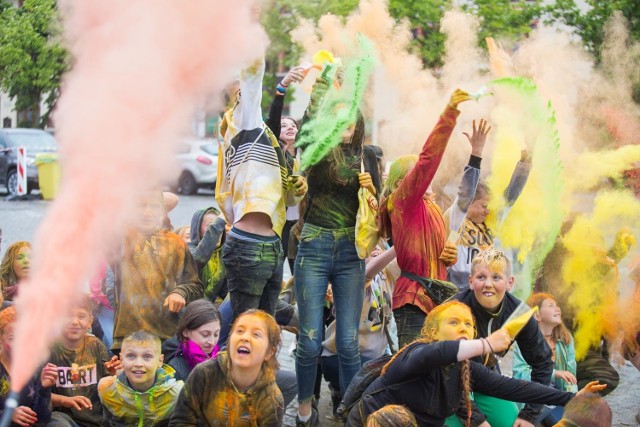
{"x": 139, "y": 69}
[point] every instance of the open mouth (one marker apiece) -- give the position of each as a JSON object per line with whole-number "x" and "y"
{"x": 488, "y": 294}
{"x": 244, "y": 350}
{"x": 138, "y": 373}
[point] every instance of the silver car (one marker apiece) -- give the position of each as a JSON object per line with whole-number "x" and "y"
{"x": 198, "y": 158}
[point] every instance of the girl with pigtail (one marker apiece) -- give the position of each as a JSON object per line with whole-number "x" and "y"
{"x": 432, "y": 375}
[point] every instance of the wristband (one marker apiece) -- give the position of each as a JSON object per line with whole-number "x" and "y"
{"x": 489, "y": 344}
{"x": 281, "y": 89}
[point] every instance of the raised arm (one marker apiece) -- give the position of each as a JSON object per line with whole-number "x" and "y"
{"x": 416, "y": 182}
{"x": 296, "y": 75}
{"x": 248, "y": 113}
{"x": 470, "y": 177}
{"x": 516, "y": 184}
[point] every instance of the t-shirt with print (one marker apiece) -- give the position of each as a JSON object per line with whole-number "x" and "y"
{"x": 79, "y": 372}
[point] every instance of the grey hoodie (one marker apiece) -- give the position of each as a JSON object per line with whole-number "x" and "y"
{"x": 206, "y": 252}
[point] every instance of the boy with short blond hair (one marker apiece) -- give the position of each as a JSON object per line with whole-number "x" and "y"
{"x": 491, "y": 304}
{"x": 146, "y": 392}
{"x": 81, "y": 360}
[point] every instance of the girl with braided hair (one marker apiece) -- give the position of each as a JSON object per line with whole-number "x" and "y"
{"x": 432, "y": 376}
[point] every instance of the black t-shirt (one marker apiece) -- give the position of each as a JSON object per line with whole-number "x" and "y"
{"x": 334, "y": 204}
{"x": 79, "y": 372}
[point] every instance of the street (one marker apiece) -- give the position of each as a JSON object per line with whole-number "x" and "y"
{"x": 19, "y": 221}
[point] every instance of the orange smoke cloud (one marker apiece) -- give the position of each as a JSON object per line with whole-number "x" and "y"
{"x": 139, "y": 68}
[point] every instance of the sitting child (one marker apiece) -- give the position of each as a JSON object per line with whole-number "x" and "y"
{"x": 81, "y": 360}
{"x": 559, "y": 339}
{"x": 433, "y": 375}
{"x": 145, "y": 394}
{"x": 587, "y": 410}
{"x": 197, "y": 334}
{"x": 35, "y": 397}
{"x": 392, "y": 416}
{"x": 491, "y": 304}
{"x": 238, "y": 387}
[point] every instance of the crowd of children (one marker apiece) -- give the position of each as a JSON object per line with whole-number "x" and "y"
{"x": 183, "y": 326}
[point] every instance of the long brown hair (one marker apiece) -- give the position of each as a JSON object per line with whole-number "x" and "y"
{"x": 7, "y": 275}
{"x": 429, "y": 334}
{"x": 559, "y": 332}
{"x": 336, "y": 157}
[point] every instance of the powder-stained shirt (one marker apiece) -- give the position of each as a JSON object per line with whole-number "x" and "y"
{"x": 334, "y": 204}
{"x": 79, "y": 372}
{"x": 152, "y": 268}
{"x": 209, "y": 398}
{"x": 126, "y": 407}
{"x": 33, "y": 395}
{"x": 417, "y": 224}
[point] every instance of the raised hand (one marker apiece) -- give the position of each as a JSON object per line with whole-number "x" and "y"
{"x": 478, "y": 137}
{"x": 457, "y": 97}
{"x": 295, "y": 75}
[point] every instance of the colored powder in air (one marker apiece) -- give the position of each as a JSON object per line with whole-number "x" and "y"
{"x": 595, "y": 245}
{"x": 339, "y": 108}
{"x": 524, "y": 121}
{"x": 139, "y": 70}
{"x": 591, "y": 168}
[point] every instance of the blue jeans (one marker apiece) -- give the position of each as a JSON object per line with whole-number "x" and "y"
{"x": 254, "y": 272}
{"x": 327, "y": 256}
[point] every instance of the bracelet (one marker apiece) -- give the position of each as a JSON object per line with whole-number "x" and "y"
{"x": 281, "y": 89}
{"x": 483, "y": 350}
{"x": 489, "y": 344}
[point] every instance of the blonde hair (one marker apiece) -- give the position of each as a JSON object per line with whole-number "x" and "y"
{"x": 494, "y": 259}
{"x": 392, "y": 416}
{"x": 397, "y": 171}
{"x": 559, "y": 332}
{"x": 143, "y": 337}
{"x": 429, "y": 334}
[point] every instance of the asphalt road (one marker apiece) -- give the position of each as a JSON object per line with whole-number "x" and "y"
{"x": 19, "y": 221}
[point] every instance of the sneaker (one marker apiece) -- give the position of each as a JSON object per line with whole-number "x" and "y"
{"x": 336, "y": 398}
{"x": 311, "y": 422}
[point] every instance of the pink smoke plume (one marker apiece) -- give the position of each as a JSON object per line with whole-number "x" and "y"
{"x": 139, "y": 69}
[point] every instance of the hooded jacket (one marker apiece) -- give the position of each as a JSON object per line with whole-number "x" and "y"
{"x": 207, "y": 253}
{"x": 152, "y": 268}
{"x": 125, "y": 407}
{"x": 210, "y": 398}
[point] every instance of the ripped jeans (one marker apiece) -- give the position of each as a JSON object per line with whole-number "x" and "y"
{"x": 327, "y": 256}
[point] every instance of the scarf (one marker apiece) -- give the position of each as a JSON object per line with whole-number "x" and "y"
{"x": 194, "y": 355}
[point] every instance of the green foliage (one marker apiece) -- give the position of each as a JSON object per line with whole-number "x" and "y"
{"x": 504, "y": 19}
{"x": 424, "y": 20}
{"x": 589, "y": 24}
{"x": 32, "y": 60}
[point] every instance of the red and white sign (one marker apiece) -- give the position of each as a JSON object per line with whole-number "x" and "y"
{"x": 22, "y": 171}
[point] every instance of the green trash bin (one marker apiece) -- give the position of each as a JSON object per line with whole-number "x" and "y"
{"x": 48, "y": 174}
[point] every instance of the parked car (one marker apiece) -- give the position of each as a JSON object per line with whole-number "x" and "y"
{"x": 198, "y": 160}
{"x": 35, "y": 141}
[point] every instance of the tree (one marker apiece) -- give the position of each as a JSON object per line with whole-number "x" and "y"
{"x": 589, "y": 24}
{"x": 32, "y": 60}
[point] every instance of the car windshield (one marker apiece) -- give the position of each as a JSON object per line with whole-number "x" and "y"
{"x": 32, "y": 140}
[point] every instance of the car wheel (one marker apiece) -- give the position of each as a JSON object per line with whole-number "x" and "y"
{"x": 187, "y": 183}
{"x": 12, "y": 182}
